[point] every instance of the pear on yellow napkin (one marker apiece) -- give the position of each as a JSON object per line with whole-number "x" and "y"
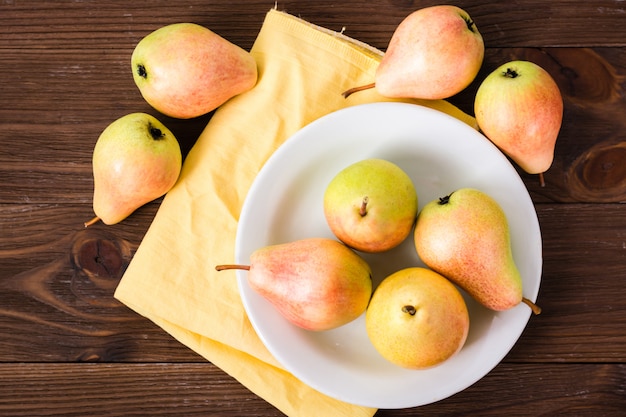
{"x": 303, "y": 69}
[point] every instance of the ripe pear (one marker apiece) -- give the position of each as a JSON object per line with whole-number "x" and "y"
{"x": 315, "y": 283}
{"x": 465, "y": 237}
{"x": 371, "y": 205}
{"x": 434, "y": 53}
{"x": 417, "y": 318}
{"x": 136, "y": 160}
{"x": 519, "y": 107}
{"x": 185, "y": 70}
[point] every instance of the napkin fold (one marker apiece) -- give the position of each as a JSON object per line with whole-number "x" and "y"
{"x": 171, "y": 279}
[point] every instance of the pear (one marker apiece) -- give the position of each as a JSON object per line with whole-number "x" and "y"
{"x": 315, "y": 283}
{"x": 434, "y": 53}
{"x": 417, "y": 318}
{"x": 465, "y": 237}
{"x": 519, "y": 107}
{"x": 185, "y": 70}
{"x": 136, "y": 160}
{"x": 371, "y": 205}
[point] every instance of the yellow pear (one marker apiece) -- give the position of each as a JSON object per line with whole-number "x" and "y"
{"x": 136, "y": 160}
{"x": 465, "y": 237}
{"x": 417, "y": 318}
{"x": 315, "y": 283}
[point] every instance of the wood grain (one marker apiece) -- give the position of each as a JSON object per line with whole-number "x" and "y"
{"x": 67, "y": 347}
{"x": 129, "y": 389}
{"x": 203, "y": 390}
{"x": 588, "y": 157}
{"x": 66, "y": 280}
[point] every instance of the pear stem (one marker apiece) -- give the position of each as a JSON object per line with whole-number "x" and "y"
{"x": 349, "y": 92}
{"x": 542, "y": 181}
{"x": 92, "y": 221}
{"x": 534, "y": 307}
{"x": 363, "y": 209}
{"x": 232, "y": 266}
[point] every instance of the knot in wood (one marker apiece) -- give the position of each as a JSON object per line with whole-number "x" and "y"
{"x": 99, "y": 256}
{"x": 600, "y": 173}
{"x": 583, "y": 75}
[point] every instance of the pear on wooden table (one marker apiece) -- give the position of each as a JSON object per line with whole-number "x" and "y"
{"x": 465, "y": 237}
{"x": 136, "y": 160}
{"x": 315, "y": 283}
{"x": 519, "y": 107}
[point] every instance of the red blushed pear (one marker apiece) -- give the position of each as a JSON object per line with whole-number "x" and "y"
{"x": 185, "y": 70}
{"x": 315, "y": 283}
{"x": 465, "y": 237}
{"x": 520, "y": 109}
{"x": 434, "y": 53}
{"x": 136, "y": 160}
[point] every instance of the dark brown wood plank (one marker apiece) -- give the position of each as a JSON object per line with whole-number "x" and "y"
{"x": 202, "y": 389}
{"x": 125, "y": 390}
{"x": 535, "y": 390}
{"x": 57, "y": 289}
{"x": 54, "y": 290}
{"x": 49, "y": 136}
{"x": 584, "y": 317}
{"x": 64, "y": 82}
{"x": 528, "y": 22}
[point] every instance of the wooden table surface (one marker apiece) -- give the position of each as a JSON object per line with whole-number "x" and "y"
{"x": 67, "y": 347}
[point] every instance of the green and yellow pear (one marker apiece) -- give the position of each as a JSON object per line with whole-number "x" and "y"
{"x": 371, "y": 205}
{"x": 136, "y": 160}
{"x": 315, "y": 283}
{"x": 465, "y": 237}
{"x": 417, "y": 318}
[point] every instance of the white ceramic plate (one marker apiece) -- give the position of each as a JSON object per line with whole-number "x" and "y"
{"x": 440, "y": 154}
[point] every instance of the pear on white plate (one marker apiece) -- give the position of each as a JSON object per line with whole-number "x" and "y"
{"x": 371, "y": 205}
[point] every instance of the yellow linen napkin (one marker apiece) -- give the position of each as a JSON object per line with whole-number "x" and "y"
{"x": 171, "y": 280}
